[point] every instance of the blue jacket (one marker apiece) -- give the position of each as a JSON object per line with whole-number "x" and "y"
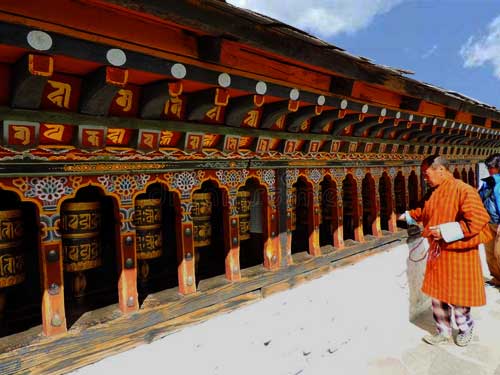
{"x": 490, "y": 194}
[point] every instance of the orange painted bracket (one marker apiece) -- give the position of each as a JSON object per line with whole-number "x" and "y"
{"x": 116, "y": 76}
{"x": 342, "y": 113}
{"x": 41, "y": 65}
{"x": 293, "y": 105}
{"x": 259, "y": 100}
{"x": 221, "y": 97}
{"x": 175, "y": 88}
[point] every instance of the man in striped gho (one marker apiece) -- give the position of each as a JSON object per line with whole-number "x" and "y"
{"x": 455, "y": 223}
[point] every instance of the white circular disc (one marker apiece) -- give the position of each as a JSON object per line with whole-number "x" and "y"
{"x": 294, "y": 94}
{"x": 39, "y": 40}
{"x": 178, "y": 71}
{"x": 261, "y": 88}
{"x": 224, "y": 80}
{"x": 116, "y": 57}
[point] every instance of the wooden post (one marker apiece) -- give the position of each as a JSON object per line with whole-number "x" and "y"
{"x": 285, "y": 217}
{"x": 313, "y": 220}
{"x": 272, "y": 253}
{"x": 376, "y": 227}
{"x": 127, "y": 281}
{"x": 392, "y": 218}
{"x": 51, "y": 266}
{"x": 357, "y": 211}
{"x": 231, "y": 224}
{"x": 185, "y": 249}
{"x": 338, "y": 233}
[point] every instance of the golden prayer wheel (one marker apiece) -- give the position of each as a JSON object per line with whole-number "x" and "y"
{"x": 293, "y": 205}
{"x": 81, "y": 237}
{"x": 12, "y": 271}
{"x": 243, "y": 208}
{"x": 147, "y": 220}
{"x": 201, "y": 212}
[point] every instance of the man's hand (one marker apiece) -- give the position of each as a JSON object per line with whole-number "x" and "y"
{"x": 435, "y": 233}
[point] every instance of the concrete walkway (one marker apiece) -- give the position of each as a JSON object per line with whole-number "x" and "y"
{"x": 353, "y": 321}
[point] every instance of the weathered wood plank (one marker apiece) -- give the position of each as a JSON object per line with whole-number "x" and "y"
{"x": 295, "y": 281}
{"x": 145, "y": 336}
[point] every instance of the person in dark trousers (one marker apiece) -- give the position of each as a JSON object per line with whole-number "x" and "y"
{"x": 490, "y": 194}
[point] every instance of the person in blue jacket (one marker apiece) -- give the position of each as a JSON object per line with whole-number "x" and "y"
{"x": 490, "y": 194}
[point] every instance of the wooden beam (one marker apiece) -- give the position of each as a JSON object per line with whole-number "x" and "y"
{"x": 272, "y": 112}
{"x": 295, "y": 120}
{"x": 238, "y": 108}
{"x": 31, "y": 74}
{"x": 209, "y": 48}
{"x": 100, "y": 88}
{"x": 318, "y": 123}
{"x": 154, "y": 97}
{"x": 200, "y": 102}
{"x": 367, "y": 124}
{"x": 340, "y": 125}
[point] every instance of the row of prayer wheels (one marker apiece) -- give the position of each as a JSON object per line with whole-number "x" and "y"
{"x": 12, "y": 270}
{"x": 201, "y": 212}
{"x": 81, "y": 226}
{"x": 12, "y": 261}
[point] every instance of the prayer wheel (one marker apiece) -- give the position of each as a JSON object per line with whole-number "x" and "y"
{"x": 201, "y": 212}
{"x": 243, "y": 207}
{"x": 293, "y": 205}
{"x": 12, "y": 271}
{"x": 81, "y": 237}
{"x": 147, "y": 220}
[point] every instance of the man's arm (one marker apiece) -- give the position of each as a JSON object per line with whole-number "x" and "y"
{"x": 471, "y": 218}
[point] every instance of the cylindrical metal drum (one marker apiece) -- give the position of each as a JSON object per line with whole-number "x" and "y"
{"x": 81, "y": 237}
{"x": 12, "y": 271}
{"x": 201, "y": 212}
{"x": 243, "y": 207}
{"x": 147, "y": 220}
{"x": 293, "y": 205}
